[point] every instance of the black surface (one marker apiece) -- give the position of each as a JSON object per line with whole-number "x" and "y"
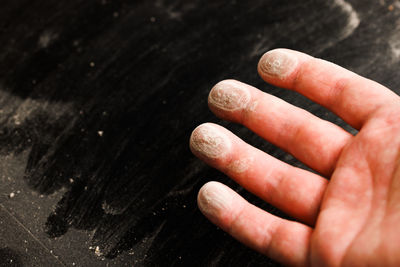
{"x": 98, "y": 100}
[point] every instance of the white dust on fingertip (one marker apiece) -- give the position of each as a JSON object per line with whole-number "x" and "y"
{"x": 214, "y": 199}
{"x": 208, "y": 140}
{"x": 229, "y": 95}
{"x": 278, "y": 63}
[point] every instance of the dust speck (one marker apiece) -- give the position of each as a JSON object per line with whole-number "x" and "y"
{"x": 110, "y": 210}
{"x": 98, "y": 252}
{"x": 46, "y": 38}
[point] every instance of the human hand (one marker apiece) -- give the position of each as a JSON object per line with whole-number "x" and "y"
{"x": 349, "y": 220}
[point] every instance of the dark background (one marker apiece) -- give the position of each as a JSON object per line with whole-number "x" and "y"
{"x": 98, "y": 100}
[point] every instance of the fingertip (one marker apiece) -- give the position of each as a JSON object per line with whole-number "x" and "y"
{"x": 277, "y": 64}
{"x": 228, "y": 95}
{"x": 214, "y": 201}
{"x": 208, "y": 141}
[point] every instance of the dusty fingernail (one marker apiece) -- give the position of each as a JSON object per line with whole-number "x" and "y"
{"x": 278, "y": 63}
{"x": 208, "y": 140}
{"x": 213, "y": 199}
{"x": 229, "y": 95}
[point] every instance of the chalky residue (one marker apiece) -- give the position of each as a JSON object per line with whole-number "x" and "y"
{"x": 278, "y": 63}
{"x": 353, "y": 21}
{"x": 229, "y": 95}
{"x": 108, "y": 209}
{"x": 240, "y": 165}
{"x": 253, "y": 106}
{"x": 210, "y": 141}
{"x": 46, "y": 38}
{"x": 15, "y": 111}
{"x": 213, "y": 199}
{"x": 394, "y": 42}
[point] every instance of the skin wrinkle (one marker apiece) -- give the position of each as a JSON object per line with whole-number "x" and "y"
{"x": 370, "y": 218}
{"x": 273, "y": 232}
{"x": 335, "y": 161}
{"x": 269, "y": 188}
{"x": 367, "y": 213}
{"x": 247, "y": 112}
{"x": 306, "y": 67}
{"x": 234, "y": 219}
{"x": 286, "y": 126}
{"x": 337, "y": 93}
{"x": 339, "y": 96}
{"x": 298, "y": 131}
{"x": 296, "y": 80}
{"x": 392, "y": 174}
{"x": 396, "y": 180}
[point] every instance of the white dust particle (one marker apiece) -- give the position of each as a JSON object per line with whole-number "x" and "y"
{"x": 46, "y": 38}
{"x": 98, "y": 252}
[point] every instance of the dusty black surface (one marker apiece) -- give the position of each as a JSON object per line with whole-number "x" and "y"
{"x": 98, "y": 100}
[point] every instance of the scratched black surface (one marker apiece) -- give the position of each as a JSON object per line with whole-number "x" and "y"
{"x": 98, "y": 100}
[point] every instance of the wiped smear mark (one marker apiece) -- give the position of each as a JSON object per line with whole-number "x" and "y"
{"x": 108, "y": 209}
{"x": 141, "y": 250}
{"x": 46, "y": 38}
{"x": 353, "y": 20}
{"x": 337, "y": 11}
{"x": 15, "y": 110}
{"x": 352, "y": 23}
{"x": 176, "y": 10}
{"x": 394, "y": 42}
{"x": 264, "y": 43}
{"x": 25, "y": 125}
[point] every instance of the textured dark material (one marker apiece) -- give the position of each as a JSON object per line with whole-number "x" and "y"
{"x": 98, "y": 100}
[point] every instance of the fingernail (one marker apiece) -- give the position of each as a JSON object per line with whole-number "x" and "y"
{"x": 277, "y": 63}
{"x": 208, "y": 140}
{"x": 214, "y": 199}
{"x": 229, "y": 95}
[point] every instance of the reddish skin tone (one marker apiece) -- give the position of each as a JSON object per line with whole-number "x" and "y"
{"x": 353, "y": 218}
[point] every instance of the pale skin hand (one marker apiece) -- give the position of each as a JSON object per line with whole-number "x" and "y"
{"x": 352, "y": 219}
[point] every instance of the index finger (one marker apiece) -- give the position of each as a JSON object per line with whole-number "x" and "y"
{"x": 347, "y": 94}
